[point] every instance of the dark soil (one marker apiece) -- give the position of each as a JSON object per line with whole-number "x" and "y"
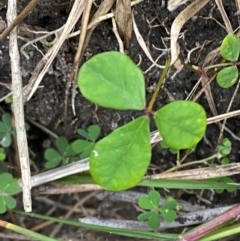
{"x": 47, "y": 105}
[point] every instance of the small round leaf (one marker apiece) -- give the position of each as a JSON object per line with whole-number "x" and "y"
{"x": 230, "y": 47}
{"x": 227, "y": 77}
{"x": 53, "y": 158}
{"x": 120, "y": 160}
{"x": 181, "y": 124}
{"x": 80, "y": 145}
{"x": 83, "y": 133}
{"x": 94, "y": 132}
{"x": 112, "y": 80}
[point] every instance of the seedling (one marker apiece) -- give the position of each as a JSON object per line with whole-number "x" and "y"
{"x": 8, "y": 187}
{"x": 151, "y": 203}
{"x": 120, "y": 160}
{"x": 225, "y": 148}
{"x": 85, "y": 147}
{"x": 63, "y": 155}
{"x": 7, "y": 132}
{"x": 225, "y": 161}
{"x": 69, "y": 152}
{"x": 230, "y": 49}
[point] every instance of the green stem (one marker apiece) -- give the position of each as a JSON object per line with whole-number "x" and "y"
{"x": 160, "y": 82}
{"x": 218, "y": 65}
{"x": 203, "y": 161}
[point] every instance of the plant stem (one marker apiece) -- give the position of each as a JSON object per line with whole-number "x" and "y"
{"x": 218, "y": 65}
{"x": 160, "y": 82}
{"x": 203, "y": 161}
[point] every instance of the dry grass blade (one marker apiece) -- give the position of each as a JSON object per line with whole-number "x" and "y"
{"x": 54, "y": 188}
{"x": 19, "y": 18}
{"x": 123, "y": 17}
{"x": 202, "y": 173}
{"x": 173, "y": 4}
{"x": 179, "y": 21}
{"x": 143, "y": 44}
{"x": 34, "y": 82}
{"x": 74, "y": 69}
{"x": 105, "y": 6}
{"x": 224, "y": 16}
{"x": 18, "y": 109}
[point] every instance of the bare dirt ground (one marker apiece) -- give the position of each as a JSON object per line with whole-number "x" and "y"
{"x": 201, "y": 34}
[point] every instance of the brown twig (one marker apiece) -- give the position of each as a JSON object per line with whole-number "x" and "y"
{"x": 18, "y": 19}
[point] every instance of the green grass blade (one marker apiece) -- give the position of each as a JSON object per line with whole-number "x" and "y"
{"x": 119, "y": 231}
{"x": 186, "y": 184}
{"x": 26, "y": 232}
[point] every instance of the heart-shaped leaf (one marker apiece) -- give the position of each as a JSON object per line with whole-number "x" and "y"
{"x": 145, "y": 203}
{"x": 53, "y": 158}
{"x": 8, "y": 184}
{"x": 80, "y": 145}
{"x": 94, "y": 132}
{"x": 10, "y": 202}
{"x": 168, "y": 214}
{"x": 181, "y": 124}
{"x": 112, "y": 80}
{"x": 154, "y": 196}
{"x": 144, "y": 216}
{"x": 154, "y": 220}
{"x": 120, "y": 160}
{"x": 62, "y": 144}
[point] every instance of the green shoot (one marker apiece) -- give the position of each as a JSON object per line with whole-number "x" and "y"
{"x": 229, "y": 49}
{"x": 63, "y": 155}
{"x": 85, "y": 147}
{"x": 123, "y": 87}
{"x": 8, "y": 187}
{"x": 151, "y": 203}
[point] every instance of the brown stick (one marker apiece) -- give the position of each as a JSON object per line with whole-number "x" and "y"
{"x": 19, "y": 18}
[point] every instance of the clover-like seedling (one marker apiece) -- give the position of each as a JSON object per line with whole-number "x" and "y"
{"x": 151, "y": 203}
{"x": 121, "y": 86}
{"x": 7, "y": 131}
{"x": 85, "y": 147}
{"x": 224, "y": 180}
{"x": 225, "y": 148}
{"x": 63, "y": 155}
{"x": 229, "y": 49}
{"x": 8, "y": 187}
